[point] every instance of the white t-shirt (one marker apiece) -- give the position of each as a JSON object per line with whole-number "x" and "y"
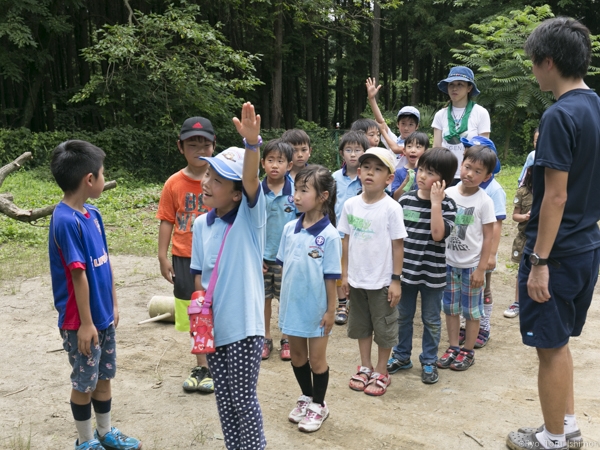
{"x": 401, "y": 160}
{"x": 371, "y": 228}
{"x": 479, "y": 122}
{"x": 463, "y": 246}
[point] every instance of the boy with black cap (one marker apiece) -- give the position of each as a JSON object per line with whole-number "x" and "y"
{"x": 180, "y": 204}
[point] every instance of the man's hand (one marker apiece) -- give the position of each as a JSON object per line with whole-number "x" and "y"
{"x": 87, "y": 335}
{"x": 394, "y": 292}
{"x": 537, "y": 284}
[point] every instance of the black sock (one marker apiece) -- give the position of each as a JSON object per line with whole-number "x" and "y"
{"x": 101, "y": 407}
{"x": 320, "y": 381}
{"x": 81, "y": 412}
{"x": 303, "y": 375}
{"x": 341, "y": 301}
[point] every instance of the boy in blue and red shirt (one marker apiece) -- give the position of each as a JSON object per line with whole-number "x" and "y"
{"x": 84, "y": 293}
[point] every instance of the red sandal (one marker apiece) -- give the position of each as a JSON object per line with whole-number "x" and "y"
{"x": 378, "y": 380}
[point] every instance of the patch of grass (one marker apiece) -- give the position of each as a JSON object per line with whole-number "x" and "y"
{"x": 128, "y": 211}
{"x": 508, "y": 178}
{"x": 19, "y": 442}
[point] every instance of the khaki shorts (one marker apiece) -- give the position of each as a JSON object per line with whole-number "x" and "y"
{"x": 371, "y": 314}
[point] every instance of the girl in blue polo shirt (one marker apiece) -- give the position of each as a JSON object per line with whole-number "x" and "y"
{"x": 310, "y": 252}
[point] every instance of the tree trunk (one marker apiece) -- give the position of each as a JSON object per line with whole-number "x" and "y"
{"x": 414, "y": 99}
{"x": 375, "y": 42}
{"x": 276, "y": 111}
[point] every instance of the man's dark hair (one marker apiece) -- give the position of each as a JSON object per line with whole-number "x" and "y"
{"x": 279, "y": 147}
{"x": 565, "y": 41}
{"x": 73, "y": 160}
{"x": 354, "y": 137}
{"x": 295, "y": 136}
{"x": 441, "y": 161}
{"x": 482, "y": 154}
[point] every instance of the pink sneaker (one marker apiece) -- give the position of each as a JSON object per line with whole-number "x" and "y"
{"x": 299, "y": 411}
{"x": 285, "y": 350}
{"x": 314, "y": 418}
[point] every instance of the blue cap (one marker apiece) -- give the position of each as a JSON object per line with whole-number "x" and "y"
{"x": 480, "y": 140}
{"x": 459, "y": 73}
{"x": 229, "y": 163}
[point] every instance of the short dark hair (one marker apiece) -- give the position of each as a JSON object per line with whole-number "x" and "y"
{"x": 279, "y": 147}
{"x": 482, "y": 154}
{"x": 441, "y": 161}
{"x": 354, "y": 137}
{"x": 296, "y": 136}
{"x": 419, "y": 137}
{"x": 565, "y": 41}
{"x": 408, "y": 116}
{"x": 364, "y": 125}
{"x": 72, "y": 161}
{"x": 321, "y": 179}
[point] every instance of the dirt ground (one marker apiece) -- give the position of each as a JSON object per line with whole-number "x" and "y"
{"x": 464, "y": 410}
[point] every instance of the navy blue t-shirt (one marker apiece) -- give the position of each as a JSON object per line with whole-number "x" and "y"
{"x": 570, "y": 141}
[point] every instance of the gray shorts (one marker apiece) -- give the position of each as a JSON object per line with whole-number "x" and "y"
{"x": 370, "y": 313}
{"x": 102, "y": 365}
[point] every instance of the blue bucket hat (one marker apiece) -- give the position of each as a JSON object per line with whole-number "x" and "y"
{"x": 480, "y": 140}
{"x": 459, "y": 73}
{"x": 229, "y": 163}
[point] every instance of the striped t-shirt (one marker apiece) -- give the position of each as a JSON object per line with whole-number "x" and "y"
{"x": 424, "y": 258}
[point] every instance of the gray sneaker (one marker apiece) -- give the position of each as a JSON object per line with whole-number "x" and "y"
{"x": 574, "y": 439}
{"x": 429, "y": 374}
{"x": 395, "y": 364}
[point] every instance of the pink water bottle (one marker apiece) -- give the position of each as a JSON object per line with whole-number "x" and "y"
{"x": 201, "y": 324}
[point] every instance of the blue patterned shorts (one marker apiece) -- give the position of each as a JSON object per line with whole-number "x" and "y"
{"x": 459, "y": 296}
{"x": 102, "y": 365}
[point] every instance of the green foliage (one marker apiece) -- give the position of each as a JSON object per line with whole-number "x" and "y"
{"x": 494, "y": 49}
{"x": 165, "y": 68}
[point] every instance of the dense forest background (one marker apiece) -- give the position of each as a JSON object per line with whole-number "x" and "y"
{"x": 124, "y": 74}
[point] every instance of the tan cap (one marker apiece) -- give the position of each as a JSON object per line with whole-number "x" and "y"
{"x": 386, "y": 156}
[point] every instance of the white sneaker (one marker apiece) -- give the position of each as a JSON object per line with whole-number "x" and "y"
{"x": 314, "y": 418}
{"x": 299, "y": 411}
{"x": 512, "y": 310}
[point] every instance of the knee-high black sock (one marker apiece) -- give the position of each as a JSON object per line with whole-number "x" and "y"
{"x": 304, "y": 379}
{"x": 320, "y": 382}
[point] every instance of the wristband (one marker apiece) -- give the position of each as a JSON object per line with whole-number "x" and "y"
{"x": 253, "y": 147}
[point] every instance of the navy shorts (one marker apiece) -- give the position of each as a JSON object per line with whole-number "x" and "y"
{"x": 102, "y": 365}
{"x": 571, "y": 286}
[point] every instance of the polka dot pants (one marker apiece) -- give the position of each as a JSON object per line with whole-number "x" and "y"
{"x": 235, "y": 368}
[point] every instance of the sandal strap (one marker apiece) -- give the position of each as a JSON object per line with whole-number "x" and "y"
{"x": 381, "y": 380}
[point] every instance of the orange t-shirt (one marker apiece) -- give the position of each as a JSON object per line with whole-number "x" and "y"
{"x": 180, "y": 203}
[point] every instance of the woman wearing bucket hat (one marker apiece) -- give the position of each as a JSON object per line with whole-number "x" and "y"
{"x": 462, "y": 117}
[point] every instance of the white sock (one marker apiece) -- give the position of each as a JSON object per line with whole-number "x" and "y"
{"x": 84, "y": 430}
{"x": 103, "y": 423}
{"x": 549, "y": 440}
{"x": 570, "y": 423}
{"x": 487, "y": 311}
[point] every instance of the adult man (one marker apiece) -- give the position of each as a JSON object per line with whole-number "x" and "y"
{"x": 562, "y": 253}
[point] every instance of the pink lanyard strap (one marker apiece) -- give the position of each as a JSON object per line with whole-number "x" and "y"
{"x": 213, "y": 277}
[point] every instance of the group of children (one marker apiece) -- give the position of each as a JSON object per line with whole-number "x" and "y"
{"x": 373, "y": 235}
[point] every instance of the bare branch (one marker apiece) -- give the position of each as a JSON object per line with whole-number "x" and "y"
{"x": 130, "y": 12}
{"x": 8, "y": 208}
{"x": 15, "y": 165}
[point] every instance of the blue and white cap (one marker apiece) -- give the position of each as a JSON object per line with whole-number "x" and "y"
{"x": 229, "y": 163}
{"x": 480, "y": 140}
{"x": 409, "y": 111}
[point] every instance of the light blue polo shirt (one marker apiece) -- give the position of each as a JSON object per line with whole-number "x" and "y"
{"x": 346, "y": 188}
{"x": 493, "y": 189}
{"x": 309, "y": 257}
{"x": 239, "y": 295}
{"x": 280, "y": 210}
